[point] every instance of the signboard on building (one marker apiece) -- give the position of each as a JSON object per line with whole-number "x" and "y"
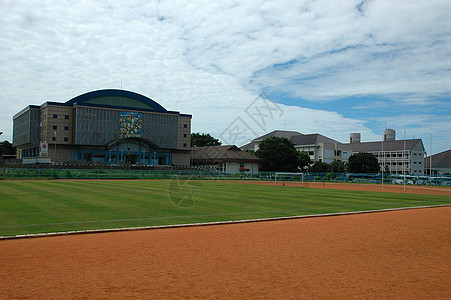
{"x": 44, "y": 149}
{"x": 130, "y": 124}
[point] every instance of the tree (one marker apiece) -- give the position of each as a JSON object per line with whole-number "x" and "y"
{"x": 304, "y": 160}
{"x": 203, "y": 140}
{"x": 363, "y": 163}
{"x": 320, "y": 167}
{"x": 278, "y": 155}
{"x": 338, "y": 166}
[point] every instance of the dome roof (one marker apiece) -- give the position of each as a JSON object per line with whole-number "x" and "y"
{"x": 117, "y": 98}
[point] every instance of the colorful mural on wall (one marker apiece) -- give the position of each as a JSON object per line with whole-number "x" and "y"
{"x": 130, "y": 124}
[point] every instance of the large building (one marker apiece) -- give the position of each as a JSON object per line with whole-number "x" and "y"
{"x": 398, "y": 156}
{"x": 441, "y": 163}
{"x": 108, "y": 126}
{"x": 319, "y": 147}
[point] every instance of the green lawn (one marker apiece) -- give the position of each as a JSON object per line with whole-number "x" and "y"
{"x": 52, "y": 206}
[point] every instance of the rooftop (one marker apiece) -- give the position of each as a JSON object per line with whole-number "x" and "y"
{"x": 225, "y": 153}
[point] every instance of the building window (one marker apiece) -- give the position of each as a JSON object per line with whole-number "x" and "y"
{"x": 185, "y": 126}
{"x": 54, "y": 138}
{"x": 66, "y": 117}
{"x": 55, "y": 127}
{"x": 66, "y": 127}
{"x": 66, "y": 139}
{"x": 55, "y": 116}
{"x": 184, "y": 145}
{"x": 184, "y": 135}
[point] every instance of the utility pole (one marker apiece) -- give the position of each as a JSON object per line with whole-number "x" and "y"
{"x": 430, "y": 157}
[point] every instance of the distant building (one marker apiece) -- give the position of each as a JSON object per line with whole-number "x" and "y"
{"x": 7, "y": 152}
{"x": 228, "y": 159}
{"x": 107, "y": 126}
{"x": 253, "y": 145}
{"x": 399, "y": 156}
{"x": 321, "y": 148}
{"x": 6, "y": 148}
{"x": 441, "y": 163}
{"x": 318, "y": 146}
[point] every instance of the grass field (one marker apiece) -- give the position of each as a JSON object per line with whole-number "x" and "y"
{"x": 53, "y": 206}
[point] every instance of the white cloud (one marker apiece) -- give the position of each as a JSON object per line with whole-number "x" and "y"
{"x": 212, "y": 59}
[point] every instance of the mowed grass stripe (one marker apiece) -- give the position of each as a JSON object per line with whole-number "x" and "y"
{"x": 48, "y": 206}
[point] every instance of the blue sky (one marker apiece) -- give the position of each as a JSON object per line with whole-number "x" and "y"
{"x": 330, "y": 67}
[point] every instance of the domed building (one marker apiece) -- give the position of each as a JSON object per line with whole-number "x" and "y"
{"x": 109, "y": 126}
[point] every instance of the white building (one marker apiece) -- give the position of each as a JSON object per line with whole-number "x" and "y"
{"x": 441, "y": 163}
{"x": 321, "y": 148}
{"x": 399, "y": 156}
{"x": 318, "y": 146}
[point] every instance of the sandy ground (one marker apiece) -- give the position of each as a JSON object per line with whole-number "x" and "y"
{"x": 400, "y": 254}
{"x": 388, "y": 188}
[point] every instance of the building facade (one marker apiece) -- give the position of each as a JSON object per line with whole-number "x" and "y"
{"x": 395, "y": 156}
{"x": 317, "y": 146}
{"x": 321, "y": 148}
{"x": 398, "y": 156}
{"x": 228, "y": 159}
{"x": 439, "y": 164}
{"x": 108, "y": 126}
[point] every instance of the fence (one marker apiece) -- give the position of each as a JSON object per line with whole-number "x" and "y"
{"x": 23, "y": 173}
{"x": 368, "y": 178}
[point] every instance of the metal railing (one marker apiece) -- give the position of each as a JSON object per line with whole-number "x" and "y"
{"x": 49, "y": 173}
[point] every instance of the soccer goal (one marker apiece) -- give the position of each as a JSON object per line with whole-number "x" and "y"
{"x": 282, "y": 177}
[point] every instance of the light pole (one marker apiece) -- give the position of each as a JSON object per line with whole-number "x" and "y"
{"x": 383, "y": 161}
{"x": 55, "y": 144}
{"x": 430, "y": 157}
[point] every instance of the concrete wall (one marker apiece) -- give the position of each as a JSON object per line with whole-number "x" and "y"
{"x": 181, "y": 159}
{"x": 62, "y": 154}
{"x": 184, "y": 132}
{"x": 234, "y": 167}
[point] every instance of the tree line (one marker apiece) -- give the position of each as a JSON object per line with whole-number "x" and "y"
{"x": 278, "y": 154}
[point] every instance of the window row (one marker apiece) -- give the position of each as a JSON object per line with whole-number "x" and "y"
{"x": 55, "y": 127}
{"x": 66, "y": 139}
{"x": 55, "y": 116}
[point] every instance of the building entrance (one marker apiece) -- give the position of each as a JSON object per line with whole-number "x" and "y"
{"x": 130, "y": 159}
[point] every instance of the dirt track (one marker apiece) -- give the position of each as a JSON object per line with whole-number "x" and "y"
{"x": 388, "y": 188}
{"x": 401, "y": 254}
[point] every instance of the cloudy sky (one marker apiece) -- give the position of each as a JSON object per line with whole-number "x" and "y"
{"x": 241, "y": 68}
